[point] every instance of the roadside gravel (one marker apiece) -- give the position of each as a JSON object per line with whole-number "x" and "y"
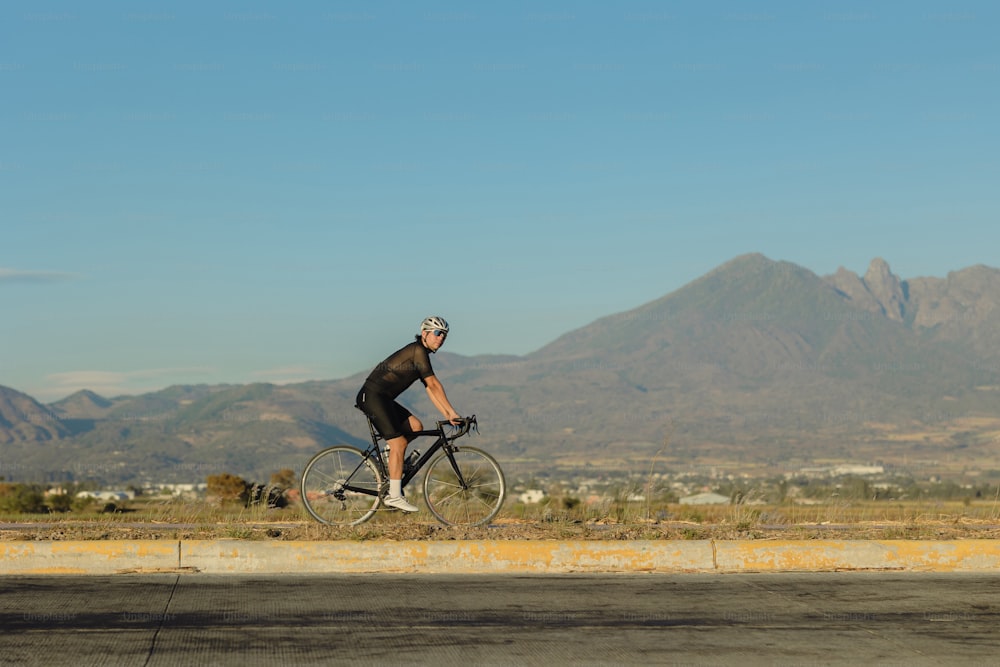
{"x": 392, "y": 528}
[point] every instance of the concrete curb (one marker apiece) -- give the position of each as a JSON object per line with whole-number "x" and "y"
{"x": 494, "y": 557}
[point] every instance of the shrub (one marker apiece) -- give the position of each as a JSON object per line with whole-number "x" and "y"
{"x": 83, "y": 503}
{"x": 273, "y": 496}
{"x": 21, "y": 498}
{"x": 228, "y": 488}
{"x": 284, "y": 479}
{"x": 62, "y": 502}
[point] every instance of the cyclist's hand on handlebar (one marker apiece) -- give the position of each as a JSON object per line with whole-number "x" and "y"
{"x": 462, "y": 424}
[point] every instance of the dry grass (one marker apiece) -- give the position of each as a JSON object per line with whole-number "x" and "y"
{"x": 616, "y": 521}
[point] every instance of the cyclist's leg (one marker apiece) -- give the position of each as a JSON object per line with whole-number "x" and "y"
{"x": 397, "y": 448}
{"x": 397, "y": 454}
{"x": 403, "y": 426}
{"x": 397, "y": 425}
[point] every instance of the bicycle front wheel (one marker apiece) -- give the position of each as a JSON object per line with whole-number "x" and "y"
{"x": 340, "y": 487}
{"x": 468, "y": 493}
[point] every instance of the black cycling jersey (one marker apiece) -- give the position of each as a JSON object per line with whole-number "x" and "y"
{"x": 390, "y": 379}
{"x": 401, "y": 369}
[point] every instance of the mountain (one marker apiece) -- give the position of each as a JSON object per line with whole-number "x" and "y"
{"x": 23, "y": 419}
{"x": 755, "y": 358}
{"x": 758, "y": 361}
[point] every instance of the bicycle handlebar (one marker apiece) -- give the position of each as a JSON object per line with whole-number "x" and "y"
{"x": 464, "y": 425}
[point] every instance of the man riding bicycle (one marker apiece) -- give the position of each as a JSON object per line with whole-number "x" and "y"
{"x": 391, "y": 378}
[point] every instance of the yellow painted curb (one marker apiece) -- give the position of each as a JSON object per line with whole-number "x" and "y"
{"x": 476, "y": 556}
{"x": 87, "y": 557}
{"x": 501, "y": 556}
{"x": 825, "y": 555}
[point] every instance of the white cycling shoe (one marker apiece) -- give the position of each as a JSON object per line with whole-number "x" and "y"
{"x": 400, "y": 503}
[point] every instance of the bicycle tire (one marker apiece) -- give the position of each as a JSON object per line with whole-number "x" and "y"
{"x": 327, "y": 483}
{"x": 474, "y": 505}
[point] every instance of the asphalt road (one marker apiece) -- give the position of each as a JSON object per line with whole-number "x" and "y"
{"x": 692, "y": 619}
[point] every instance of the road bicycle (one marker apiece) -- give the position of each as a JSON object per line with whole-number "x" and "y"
{"x": 463, "y": 486}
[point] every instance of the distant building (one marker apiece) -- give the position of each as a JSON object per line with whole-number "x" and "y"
{"x": 531, "y": 496}
{"x": 182, "y": 490}
{"x": 106, "y": 495}
{"x": 838, "y": 470}
{"x": 705, "y": 499}
{"x": 855, "y": 469}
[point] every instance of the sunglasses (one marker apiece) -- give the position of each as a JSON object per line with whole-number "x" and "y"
{"x": 439, "y": 333}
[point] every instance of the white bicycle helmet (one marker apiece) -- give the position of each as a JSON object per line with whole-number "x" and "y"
{"x": 434, "y": 322}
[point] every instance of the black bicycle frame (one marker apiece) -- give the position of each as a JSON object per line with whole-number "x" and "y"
{"x": 374, "y": 453}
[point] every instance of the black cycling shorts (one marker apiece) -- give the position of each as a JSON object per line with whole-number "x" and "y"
{"x": 388, "y": 417}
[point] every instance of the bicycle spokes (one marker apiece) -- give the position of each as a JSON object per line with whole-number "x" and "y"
{"x": 465, "y": 487}
{"x": 340, "y": 486}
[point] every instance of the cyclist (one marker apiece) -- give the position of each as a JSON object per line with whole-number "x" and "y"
{"x": 391, "y": 378}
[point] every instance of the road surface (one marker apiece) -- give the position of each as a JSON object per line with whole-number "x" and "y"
{"x": 651, "y": 619}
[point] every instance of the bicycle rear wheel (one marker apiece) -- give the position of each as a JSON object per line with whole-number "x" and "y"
{"x": 340, "y": 487}
{"x": 471, "y": 503}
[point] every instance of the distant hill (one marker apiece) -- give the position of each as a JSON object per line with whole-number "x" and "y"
{"x": 757, "y": 361}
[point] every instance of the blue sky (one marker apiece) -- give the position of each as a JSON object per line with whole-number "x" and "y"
{"x": 238, "y": 192}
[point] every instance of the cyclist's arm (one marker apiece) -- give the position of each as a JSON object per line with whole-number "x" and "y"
{"x": 435, "y": 391}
